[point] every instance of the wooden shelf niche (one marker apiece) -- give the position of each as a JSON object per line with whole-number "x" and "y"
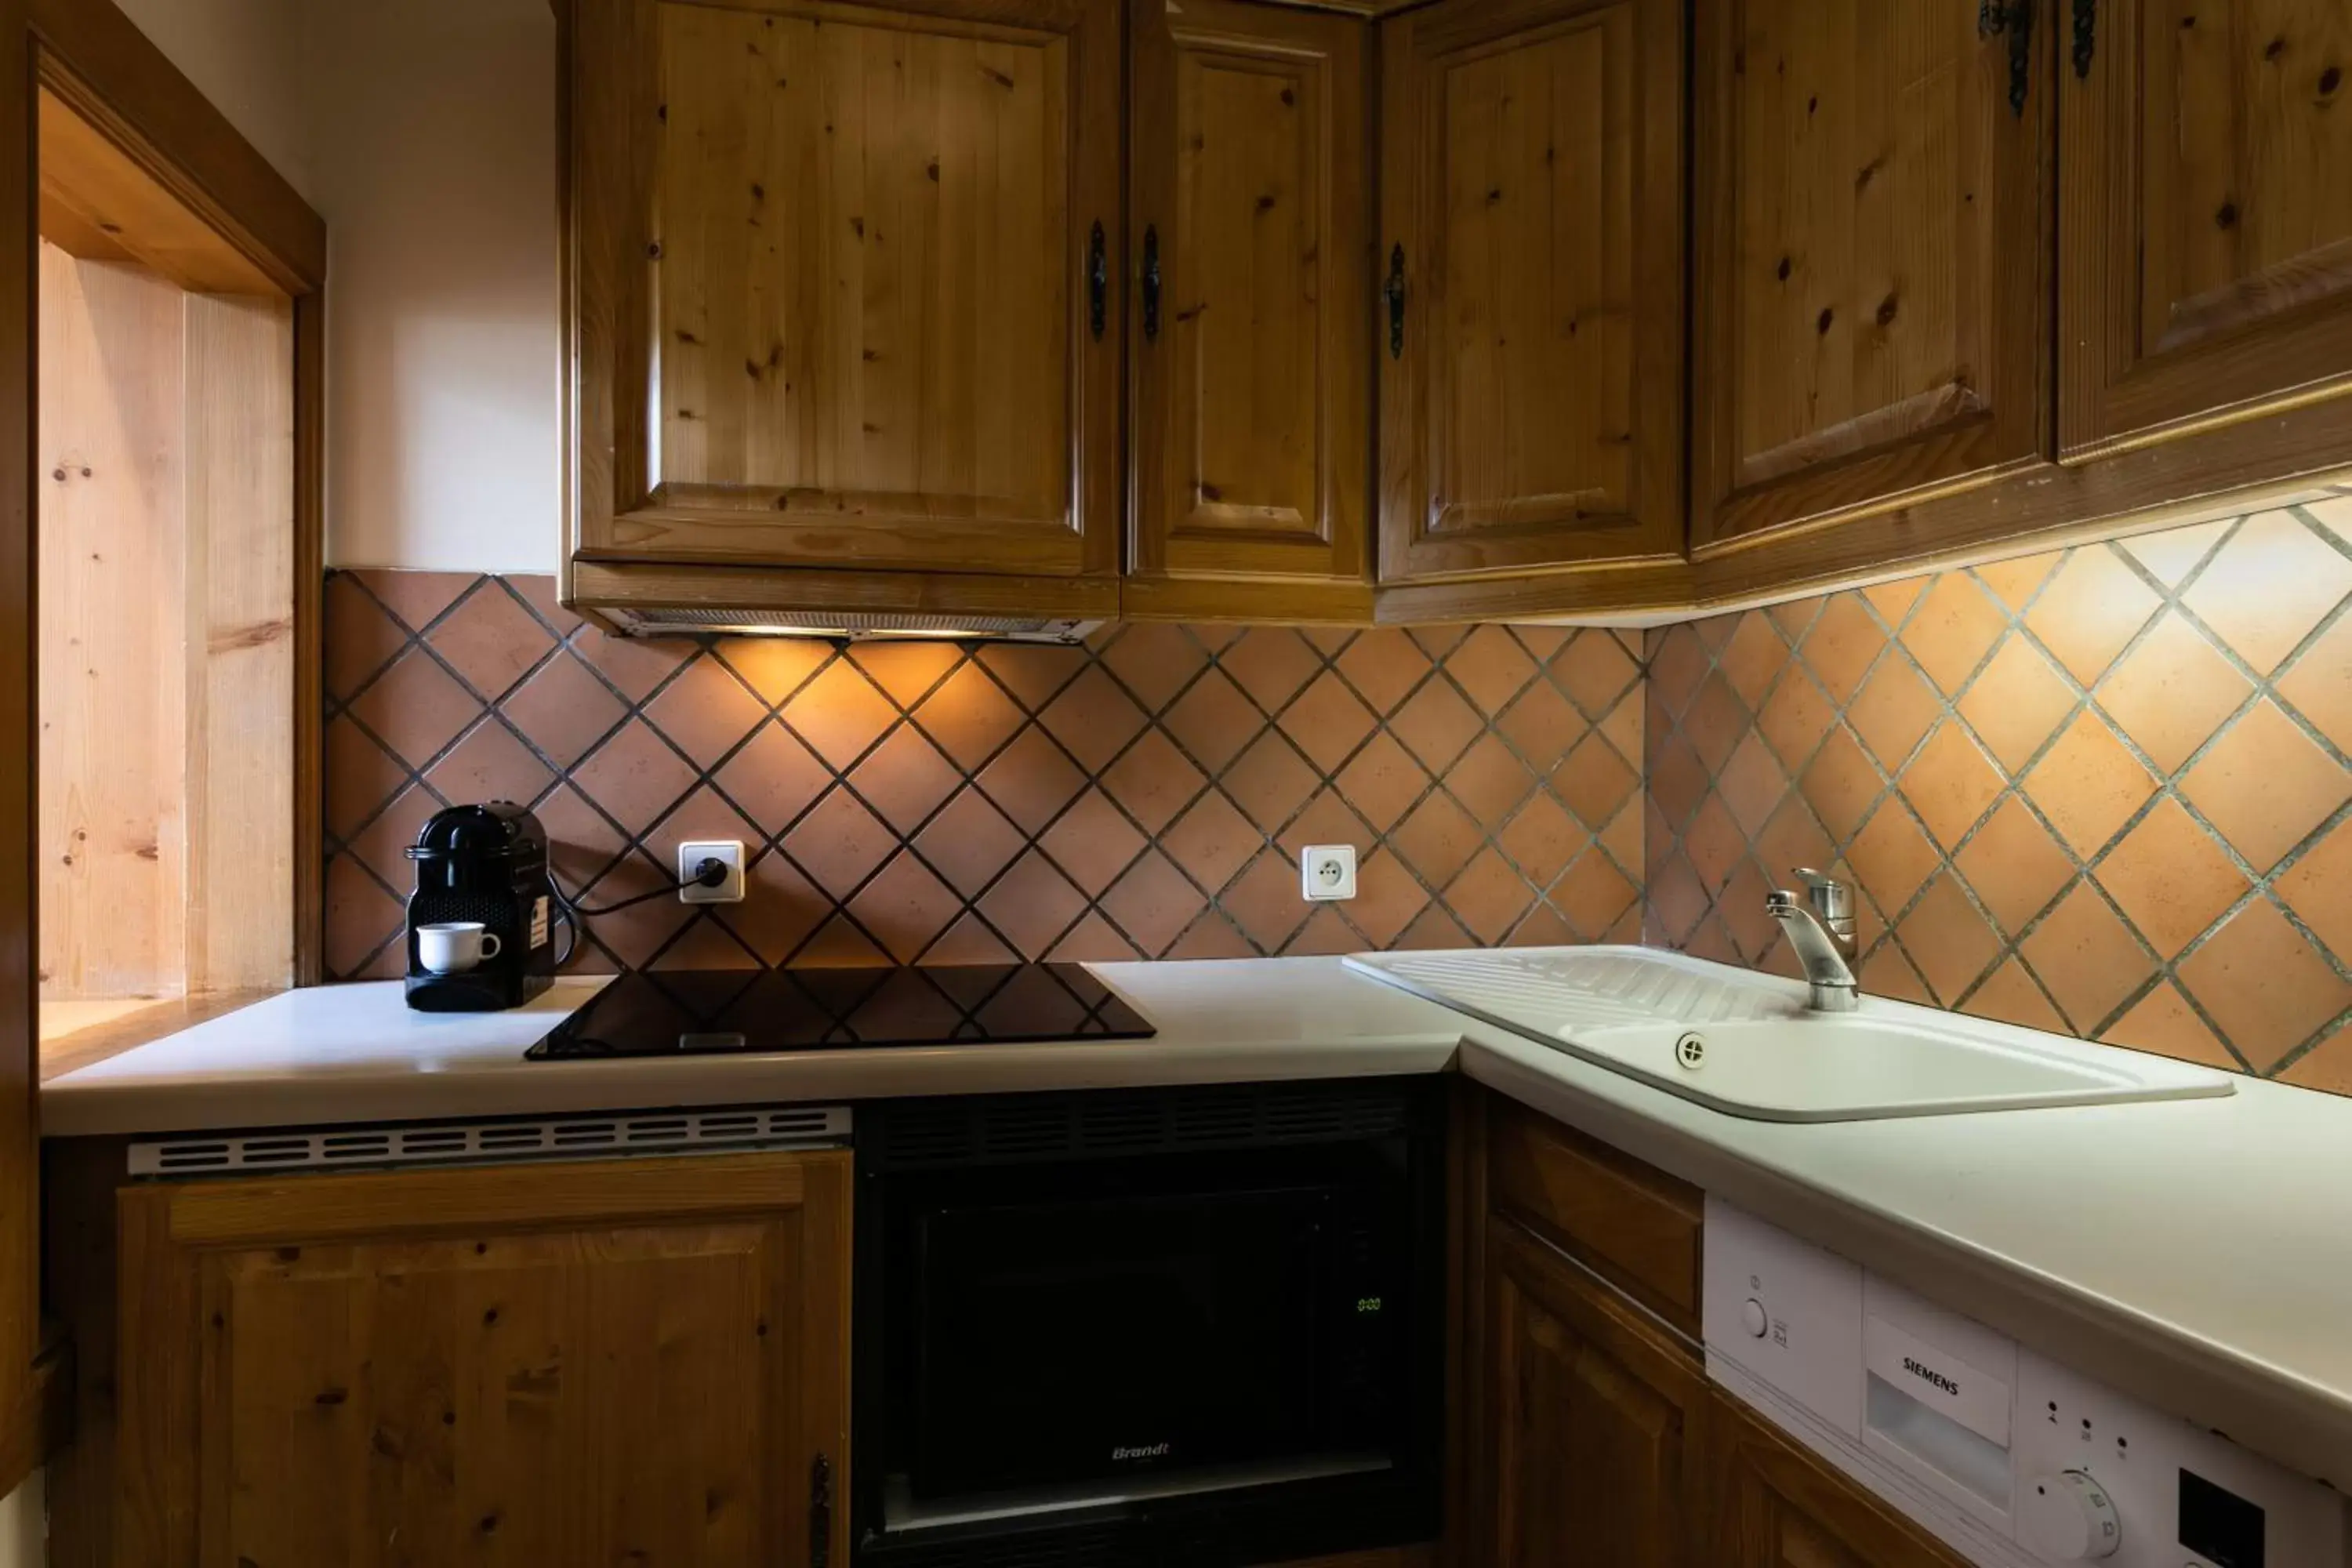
{"x": 167, "y": 590}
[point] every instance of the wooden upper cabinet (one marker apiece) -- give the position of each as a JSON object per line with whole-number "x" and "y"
{"x": 2207, "y": 207}
{"x": 1873, "y": 244}
{"x": 830, "y": 278}
{"x": 1592, "y": 1422}
{"x": 1532, "y": 250}
{"x": 1250, "y": 315}
{"x": 1776, "y": 1506}
{"x": 629, "y": 1362}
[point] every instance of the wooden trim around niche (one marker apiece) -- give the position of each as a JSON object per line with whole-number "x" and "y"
{"x": 24, "y": 1433}
{"x": 98, "y": 63}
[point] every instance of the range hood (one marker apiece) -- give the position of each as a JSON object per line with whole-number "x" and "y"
{"x": 685, "y": 621}
{"x": 640, "y": 599}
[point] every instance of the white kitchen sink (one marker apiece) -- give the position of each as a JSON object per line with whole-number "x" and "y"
{"x": 1745, "y": 1045}
{"x": 1852, "y": 1066}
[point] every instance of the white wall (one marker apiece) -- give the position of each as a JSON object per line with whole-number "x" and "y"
{"x": 424, "y": 132}
{"x": 432, "y": 133}
{"x": 24, "y": 1533}
{"x": 247, "y": 56}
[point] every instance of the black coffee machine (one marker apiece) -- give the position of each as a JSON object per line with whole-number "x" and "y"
{"x": 483, "y": 865}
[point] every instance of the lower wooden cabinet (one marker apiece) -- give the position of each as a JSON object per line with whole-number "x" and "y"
{"x": 1776, "y": 1506}
{"x": 1592, "y": 1411}
{"x": 627, "y": 1362}
{"x": 1594, "y": 1438}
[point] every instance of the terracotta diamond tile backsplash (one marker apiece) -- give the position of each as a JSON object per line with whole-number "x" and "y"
{"x": 1145, "y": 795}
{"x": 2100, "y": 791}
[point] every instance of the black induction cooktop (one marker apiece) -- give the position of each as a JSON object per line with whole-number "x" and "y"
{"x": 743, "y": 1013}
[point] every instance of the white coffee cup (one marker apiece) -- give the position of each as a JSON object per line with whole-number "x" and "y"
{"x": 454, "y": 947}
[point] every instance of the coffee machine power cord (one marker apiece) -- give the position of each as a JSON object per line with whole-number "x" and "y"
{"x": 710, "y": 873}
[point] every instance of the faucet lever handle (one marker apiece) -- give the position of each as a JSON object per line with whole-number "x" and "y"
{"x": 1830, "y": 899}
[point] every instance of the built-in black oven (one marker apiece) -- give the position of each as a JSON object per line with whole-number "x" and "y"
{"x": 1195, "y": 1325}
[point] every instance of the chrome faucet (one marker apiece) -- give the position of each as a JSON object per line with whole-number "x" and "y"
{"x": 1820, "y": 930}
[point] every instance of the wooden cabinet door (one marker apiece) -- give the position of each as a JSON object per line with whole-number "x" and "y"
{"x": 1776, "y": 1506}
{"x": 2206, "y": 201}
{"x": 831, "y": 283}
{"x": 1591, "y": 1424}
{"x": 628, "y": 1361}
{"x": 1874, "y": 258}
{"x": 1249, "y": 231}
{"x": 1531, "y": 388}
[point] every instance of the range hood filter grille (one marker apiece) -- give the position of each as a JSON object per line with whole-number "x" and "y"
{"x": 694, "y": 621}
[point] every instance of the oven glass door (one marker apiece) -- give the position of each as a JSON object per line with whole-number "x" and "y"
{"x": 1137, "y": 1325}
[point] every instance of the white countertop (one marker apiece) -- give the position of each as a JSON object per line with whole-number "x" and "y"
{"x": 356, "y": 1053}
{"x": 2197, "y": 1253}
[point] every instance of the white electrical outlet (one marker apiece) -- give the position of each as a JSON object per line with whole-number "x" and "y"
{"x": 691, "y": 856}
{"x": 1327, "y": 873}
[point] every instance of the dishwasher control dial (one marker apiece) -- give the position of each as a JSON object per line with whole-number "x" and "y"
{"x": 2069, "y": 1517}
{"x": 1752, "y": 1319}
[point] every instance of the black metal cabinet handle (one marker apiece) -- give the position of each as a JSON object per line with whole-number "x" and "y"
{"x": 1151, "y": 284}
{"x": 2086, "y": 37}
{"x": 820, "y": 1553}
{"x": 2020, "y": 56}
{"x": 1097, "y": 282}
{"x": 2014, "y": 17}
{"x": 1394, "y": 294}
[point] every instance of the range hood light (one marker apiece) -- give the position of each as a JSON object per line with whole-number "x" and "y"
{"x": 841, "y": 634}
{"x": 751, "y": 631}
{"x": 944, "y": 634}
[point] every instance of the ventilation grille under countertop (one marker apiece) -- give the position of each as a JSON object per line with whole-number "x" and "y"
{"x": 533, "y": 1138}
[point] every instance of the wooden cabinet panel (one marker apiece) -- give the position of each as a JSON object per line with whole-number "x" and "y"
{"x": 829, "y": 272}
{"x": 1776, "y": 1506}
{"x": 429, "y": 1367}
{"x": 21, "y": 1433}
{"x": 1631, "y": 1222}
{"x": 1533, "y": 197}
{"x": 1591, "y": 1424}
{"x": 1250, "y": 213}
{"x": 1873, "y": 259}
{"x": 2207, "y": 207}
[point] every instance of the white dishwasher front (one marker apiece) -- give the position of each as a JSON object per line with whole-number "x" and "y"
{"x": 2010, "y": 1458}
